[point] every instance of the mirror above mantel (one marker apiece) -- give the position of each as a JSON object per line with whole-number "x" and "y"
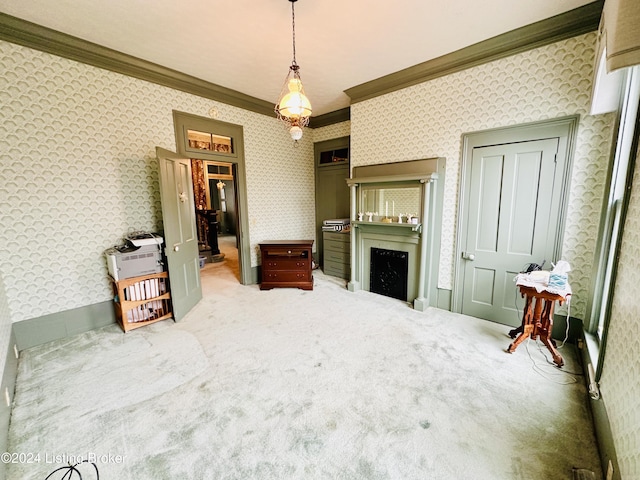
{"x": 383, "y": 198}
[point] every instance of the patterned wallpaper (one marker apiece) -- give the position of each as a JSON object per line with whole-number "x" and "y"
{"x": 77, "y": 150}
{"x": 429, "y": 119}
{"x": 5, "y": 326}
{"x": 620, "y": 382}
{"x": 329, "y": 132}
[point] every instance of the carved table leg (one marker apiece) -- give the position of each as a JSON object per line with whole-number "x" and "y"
{"x": 537, "y": 323}
{"x": 526, "y": 333}
{"x": 546, "y": 330}
{"x": 526, "y": 329}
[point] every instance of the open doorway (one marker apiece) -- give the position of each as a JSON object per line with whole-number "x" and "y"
{"x": 215, "y": 200}
{"x": 219, "y": 148}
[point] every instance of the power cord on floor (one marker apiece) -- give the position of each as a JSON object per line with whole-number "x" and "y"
{"x": 68, "y": 471}
{"x": 549, "y": 374}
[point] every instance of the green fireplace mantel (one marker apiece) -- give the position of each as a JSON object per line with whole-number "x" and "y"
{"x": 421, "y": 240}
{"x": 389, "y": 228}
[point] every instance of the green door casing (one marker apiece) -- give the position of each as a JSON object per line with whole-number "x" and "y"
{"x": 511, "y": 218}
{"x": 180, "y": 234}
{"x": 332, "y": 192}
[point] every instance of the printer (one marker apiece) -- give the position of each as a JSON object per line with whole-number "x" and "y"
{"x": 141, "y": 254}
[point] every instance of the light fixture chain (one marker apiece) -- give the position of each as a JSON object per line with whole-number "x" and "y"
{"x": 293, "y": 106}
{"x": 293, "y": 24}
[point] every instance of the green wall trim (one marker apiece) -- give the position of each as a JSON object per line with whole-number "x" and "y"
{"x": 182, "y": 123}
{"x": 255, "y": 274}
{"x": 559, "y": 330}
{"x": 443, "y": 300}
{"x": 581, "y": 20}
{"x": 8, "y": 382}
{"x": 56, "y": 326}
{"x": 602, "y": 426}
{"x": 27, "y": 34}
{"x": 575, "y": 22}
{"x": 337, "y": 116}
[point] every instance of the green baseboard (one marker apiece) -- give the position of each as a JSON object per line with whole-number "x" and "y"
{"x": 56, "y": 326}
{"x": 7, "y": 385}
{"x": 444, "y": 299}
{"x": 255, "y": 274}
{"x": 602, "y": 426}
{"x": 560, "y": 331}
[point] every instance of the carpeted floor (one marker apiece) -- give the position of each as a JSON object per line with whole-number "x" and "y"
{"x": 287, "y": 384}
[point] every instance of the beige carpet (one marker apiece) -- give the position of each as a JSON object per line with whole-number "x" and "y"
{"x": 287, "y": 384}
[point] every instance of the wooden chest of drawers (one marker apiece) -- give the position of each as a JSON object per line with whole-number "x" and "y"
{"x": 286, "y": 263}
{"x": 336, "y": 254}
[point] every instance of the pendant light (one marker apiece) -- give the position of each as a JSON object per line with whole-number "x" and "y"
{"x": 293, "y": 106}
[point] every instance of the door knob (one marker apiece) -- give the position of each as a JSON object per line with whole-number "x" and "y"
{"x": 176, "y": 248}
{"x": 468, "y": 256}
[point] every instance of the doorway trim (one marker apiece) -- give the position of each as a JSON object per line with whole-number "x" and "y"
{"x": 185, "y": 121}
{"x": 566, "y": 128}
{"x": 320, "y": 196}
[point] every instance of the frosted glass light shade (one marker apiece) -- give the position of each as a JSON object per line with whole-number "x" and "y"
{"x": 293, "y": 107}
{"x": 294, "y": 104}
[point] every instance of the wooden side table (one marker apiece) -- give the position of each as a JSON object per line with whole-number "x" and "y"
{"x": 537, "y": 320}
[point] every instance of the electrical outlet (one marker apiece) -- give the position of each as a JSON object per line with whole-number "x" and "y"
{"x": 580, "y": 344}
{"x": 7, "y": 397}
{"x": 15, "y": 351}
{"x": 610, "y": 471}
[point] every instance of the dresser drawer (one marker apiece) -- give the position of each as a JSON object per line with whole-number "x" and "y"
{"x": 337, "y": 245}
{"x": 336, "y": 256}
{"x": 285, "y": 252}
{"x": 336, "y": 269}
{"x": 284, "y": 263}
{"x": 286, "y": 276}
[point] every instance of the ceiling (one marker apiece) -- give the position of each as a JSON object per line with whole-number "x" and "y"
{"x": 246, "y": 45}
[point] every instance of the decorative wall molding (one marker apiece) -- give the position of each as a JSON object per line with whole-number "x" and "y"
{"x": 560, "y": 27}
{"x": 575, "y": 22}
{"x": 330, "y": 118}
{"x": 27, "y": 34}
{"x": 545, "y": 83}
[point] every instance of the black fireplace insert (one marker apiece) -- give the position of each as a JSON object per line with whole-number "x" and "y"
{"x": 389, "y": 271}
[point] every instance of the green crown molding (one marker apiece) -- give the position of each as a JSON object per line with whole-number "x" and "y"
{"x": 27, "y": 34}
{"x": 575, "y": 22}
{"x": 337, "y": 116}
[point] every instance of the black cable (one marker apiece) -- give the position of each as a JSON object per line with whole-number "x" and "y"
{"x": 71, "y": 469}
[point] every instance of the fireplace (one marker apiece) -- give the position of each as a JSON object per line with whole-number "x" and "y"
{"x": 389, "y": 273}
{"x": 396, "y": 213}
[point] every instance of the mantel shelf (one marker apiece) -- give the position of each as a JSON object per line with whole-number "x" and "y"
{"x": 416, "y": 227}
